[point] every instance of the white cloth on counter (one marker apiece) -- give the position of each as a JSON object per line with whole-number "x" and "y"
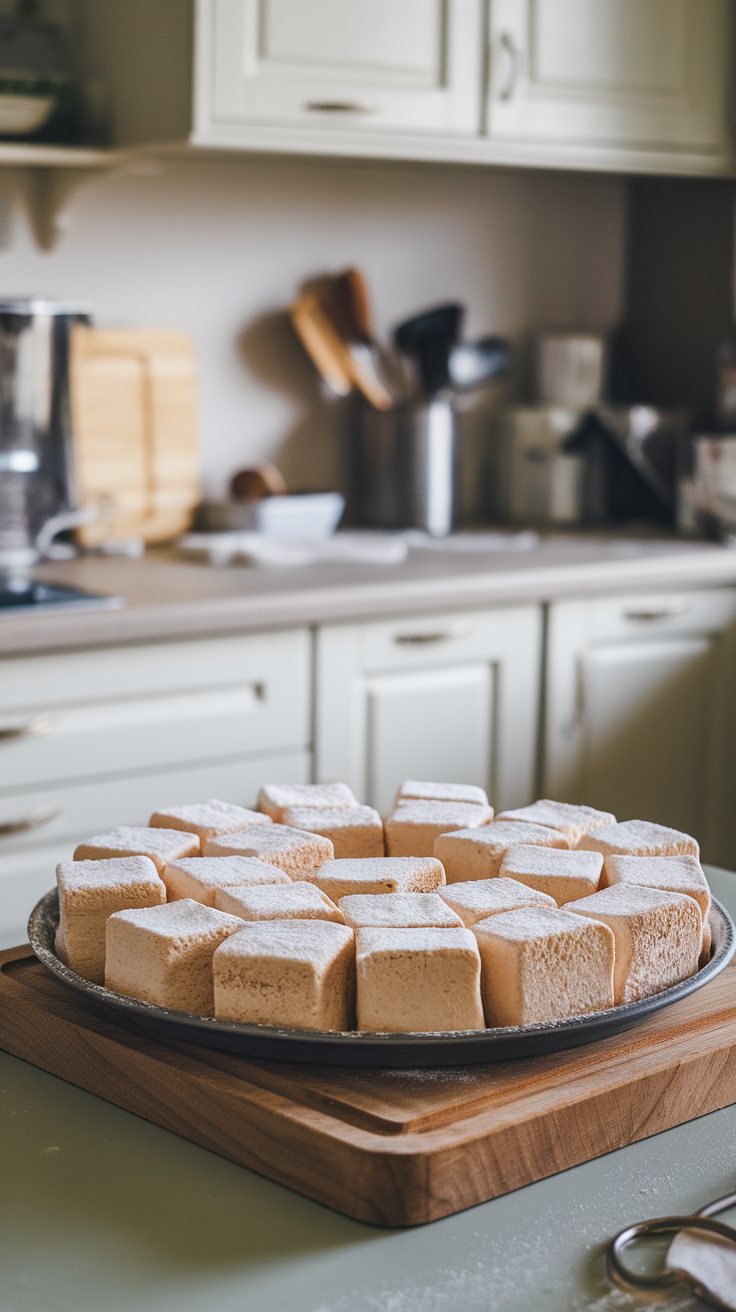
{"x": 345, "y": 548}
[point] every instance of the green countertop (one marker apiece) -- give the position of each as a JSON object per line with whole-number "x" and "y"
{"x": 100, "y": 1210}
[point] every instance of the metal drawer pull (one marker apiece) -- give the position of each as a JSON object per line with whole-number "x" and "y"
{"x": 34, "y": 728}
{"x": 35, "y": 820}
{"x": 510, "y": 48}
{"x": 339, "y": 107}
{"x": 675, "y": 607}
{"x": 434, "y": 635}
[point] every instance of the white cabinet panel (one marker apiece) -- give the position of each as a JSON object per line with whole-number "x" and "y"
{"x": 453, "y": 698}
{"x": 346, "y": 65}
{"x": 640, "y": 710}
{"x": 626, "y": 74}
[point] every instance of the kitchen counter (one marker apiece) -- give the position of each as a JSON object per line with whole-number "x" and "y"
{"x": 101, "y": 1210}
{"x": 170, "y": 597}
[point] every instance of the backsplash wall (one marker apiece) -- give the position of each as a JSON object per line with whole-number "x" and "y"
{"x": 218, "y": 245}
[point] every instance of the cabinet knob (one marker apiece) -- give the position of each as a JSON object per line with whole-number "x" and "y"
{"x": 34, "y": 728}
{"x": 35, "y": 820}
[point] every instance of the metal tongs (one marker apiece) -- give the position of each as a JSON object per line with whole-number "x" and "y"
{"x": 697, "y": 1281}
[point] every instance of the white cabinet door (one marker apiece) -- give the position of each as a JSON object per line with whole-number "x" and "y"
{"x": 446, "y": 698}
{"x": 353, "y": 66}
{"x": 640, "y": 711}
{"x": 626, "y": 74}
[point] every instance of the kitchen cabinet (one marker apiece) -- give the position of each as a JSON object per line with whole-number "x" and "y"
{"x": 452, "y": 698}
{"x": 97, "y": 738}
{"x": 611, "y": 77}
{"x": 641, "y": 710}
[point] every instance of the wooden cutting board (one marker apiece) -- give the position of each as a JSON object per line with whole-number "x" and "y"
{"x": 390, "y": 1147}
{"x": 134, "y": 426}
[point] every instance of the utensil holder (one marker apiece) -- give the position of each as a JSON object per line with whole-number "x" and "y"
{"x": 406, "y": 467}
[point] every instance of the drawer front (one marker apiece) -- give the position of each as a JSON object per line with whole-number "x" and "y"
{"x": 434, "y": 640}
{"x": 28, "y": 860}
{"x": 665, "y": 612}
{"x": 103, "y": 712}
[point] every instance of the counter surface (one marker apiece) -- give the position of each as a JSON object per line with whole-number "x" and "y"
{"x": 101, "y": 1210}
{"x": 169, "y": 597}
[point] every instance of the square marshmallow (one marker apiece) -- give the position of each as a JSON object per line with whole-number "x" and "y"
{"x": 639, "y": 838}
{"x": 293, "y": 974}
{"x": 658, "y": 937}
{"x": 565, "y": 876}
{"x": 412, "y": 827}
{"x": 89, "y": 892}
{"x": 539, "y": 967}
{"x": 415, "y": 789}
{"x": 298, "y": 901}
{"x": 480, "y": 898}
{"x": 294, "y": 851}
{"x": 206, "y": 819}
{"x": 161, "y": 845}
{"x": 380, "y": 874}
{"x": 418, "y": 980}
{"x": 353, "y": 830}
{"x": 164, "y": 954}
{"x": 674, "y": 874}
{"x": 398, "y": 911}
{"x": 198, "y": 877}
{"x": 573, "y": 821}
{"x": 478, "y": 853}
{"x": 274, "y": 799}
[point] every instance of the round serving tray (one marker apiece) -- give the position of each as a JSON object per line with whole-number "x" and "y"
{"x": 351, "y": 1048}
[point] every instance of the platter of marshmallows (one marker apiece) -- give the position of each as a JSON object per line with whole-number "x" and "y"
{"x": 312, "y": 916}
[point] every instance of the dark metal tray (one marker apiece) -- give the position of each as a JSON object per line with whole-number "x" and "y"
{"x": 445, "y": 1048}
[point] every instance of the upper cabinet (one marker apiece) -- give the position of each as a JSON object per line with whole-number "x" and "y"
{"x": 578, "y": 80}
{"x": 355, "y": 66}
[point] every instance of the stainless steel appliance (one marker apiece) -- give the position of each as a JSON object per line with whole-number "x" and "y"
{"x": 35, "y": 426}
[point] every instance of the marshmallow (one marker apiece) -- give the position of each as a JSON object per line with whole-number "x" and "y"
{"x": 89, "y": 892}
{"x": 477, "y": 853}
{"x": 398, "y": 911}
{"x": 412, "y": 980}
{"x": 415, "y": 789}
{"x": 565, "y": 876}
{"x": 388, "y": 874}
{"x": 538, "y": 966}
{"x": 414, "y": 825}
{"x": 294, "y": 851}
{"x": 161, "y": 845}
{"x": 353, "y": 830}
{"x": 164, "y": 954}
{"x": 675, "y": 874}
{"x": 198, "y": 877}
{"x": 274, "y": 799}
{"x": 639, "y": 838}
{"x": 573, "y": 821}
{"x": 299, "y": 901}
{"x": 294, "y": 974}
{"x": 206, "y": 819}
{"x": 480, "y": 898}
{"x": 658, "y": 936}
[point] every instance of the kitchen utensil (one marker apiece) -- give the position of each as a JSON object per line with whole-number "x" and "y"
{"x": 322, "y": 343}
{"x": 406, "y": 467}
{"x": 570, "y": 369}
{"x": 35, "y": 435}
{"x": 345, "y": 302}
{"x": 253, "y": 484}
{"x": 707, "y": 1270}
{"x": 134, "y": 411}
{"x": 471, "y": 364}
{"x": 362, "y": 1048}
{"x": 428, "y": 338}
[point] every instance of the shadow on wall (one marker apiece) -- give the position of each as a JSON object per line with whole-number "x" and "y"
{"x": 312, "y": 456}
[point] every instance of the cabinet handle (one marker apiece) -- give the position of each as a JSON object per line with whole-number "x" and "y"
{"x": 34, "y": 728}
{"x": 675, "y": 607}
{"x": 35, "y": 820}
{"x": 339, "y": 107}
{"x": 419, "y": 638}
{"x": 510, "y": 48}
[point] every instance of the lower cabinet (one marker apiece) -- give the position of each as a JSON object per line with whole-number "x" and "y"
{"x": 451, "y": 698}
{"x": 641, "y": 711}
